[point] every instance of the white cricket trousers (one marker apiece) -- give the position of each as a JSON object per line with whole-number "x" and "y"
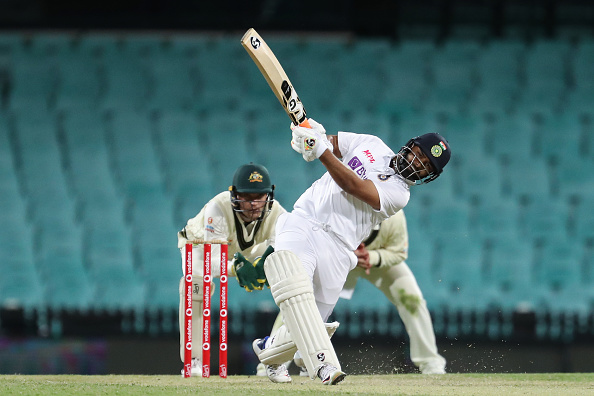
{"x": 325, "y": 258}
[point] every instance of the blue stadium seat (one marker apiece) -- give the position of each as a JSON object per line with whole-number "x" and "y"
{"x": 445, "y": 189}
{"x": 559, "y": 135}
{"x": 129, "y": 141}
{"x": 530, "y": 187}
{"x": 547, "y": 64}
{"x": 509, "y": 284}
{"x": 117, "y": 287}
{"x": 546, "y": 70}
{"x": 545, "y": 218}
{"x": 184, "y": 154}
{"x": 560, "y": 292}
{"x": 67, "y": 285}
{"x": 406, "y": 80}
{"x": 108, "y": 244}
{"x": 580, "y": 100}
{"x": 174, "y": 83}
{"x": 127, "y": 83}
{"x": 33, "y": 83}
{"x": 460, "y": 268}
{"x": 509, "y": 274}
{"x": 581, "y": 64}
{"x": 512, "y": 136}
{"x": 453, "y": 69}
{"x": 498, "y": 64}
{"x": 466, "y": 132}
{"x": 79, "y": 82}
{"x": 496, "y": 218}
{"x": 573, "y": 176}
{"x": 450, "y": 217}
{"x": 584, "y": 219}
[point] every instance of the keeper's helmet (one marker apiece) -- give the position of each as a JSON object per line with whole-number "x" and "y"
{"x": 252, "y": 179}
{"x": 435, "y": 148}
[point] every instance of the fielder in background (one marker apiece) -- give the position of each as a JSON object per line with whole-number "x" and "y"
{"x": 365, "y": 183}
{"x": 245, "y": 217}
{"x": 381, "y": 261}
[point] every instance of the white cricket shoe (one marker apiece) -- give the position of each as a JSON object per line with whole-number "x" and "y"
{"x": 276, "y": 373}
{"x": 329, "y": 374}
{"x": 432, "y": 368}
{"x": 196, "y": 370}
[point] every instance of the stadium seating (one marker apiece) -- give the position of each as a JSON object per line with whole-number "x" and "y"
{"x": 110, "y": 142}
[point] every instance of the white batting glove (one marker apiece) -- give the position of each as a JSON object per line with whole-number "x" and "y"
{"x": 310, "y": 142}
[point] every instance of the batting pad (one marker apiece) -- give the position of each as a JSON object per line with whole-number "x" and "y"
{"x": 283, "y": 348}
{"x": 293, "y": 293}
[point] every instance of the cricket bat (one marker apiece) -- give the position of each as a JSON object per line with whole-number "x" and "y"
{"x": 273, "y": 72}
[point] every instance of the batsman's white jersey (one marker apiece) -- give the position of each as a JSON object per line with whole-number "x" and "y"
{"x": 348, "y": 218}
{"x": 327, "y": 224}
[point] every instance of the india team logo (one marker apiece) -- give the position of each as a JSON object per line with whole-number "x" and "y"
{"x": 438, "y": 149}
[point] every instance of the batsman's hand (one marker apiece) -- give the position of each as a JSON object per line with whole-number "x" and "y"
{"x": 245, "y": 273}
{"x": 259, "y": 265}
{"x": 310, "y": 142}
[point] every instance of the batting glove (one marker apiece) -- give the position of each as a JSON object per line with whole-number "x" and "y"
{"x": 310, "y": 142}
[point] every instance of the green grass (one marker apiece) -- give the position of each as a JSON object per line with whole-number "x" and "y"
{"x": 396, "y": 384}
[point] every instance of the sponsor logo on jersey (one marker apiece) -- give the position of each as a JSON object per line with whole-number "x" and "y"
{"x": 209, "y": 228}
{"x": 369, "y": 156}
{"x": 357, "y": 165}
{"x": 210, "y": 220}
{"x": 383, "y": 177}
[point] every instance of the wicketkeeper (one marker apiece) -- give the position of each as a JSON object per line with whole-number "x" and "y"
{"x": 244, "y": 216}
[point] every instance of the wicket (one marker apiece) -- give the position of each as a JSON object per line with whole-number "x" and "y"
{"x": 206, "y": 321}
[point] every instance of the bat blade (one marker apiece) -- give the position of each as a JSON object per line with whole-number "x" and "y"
{"x": 275, "y": 75}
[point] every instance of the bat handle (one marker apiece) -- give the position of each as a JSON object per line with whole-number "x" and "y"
{"x": 305, "y": 124}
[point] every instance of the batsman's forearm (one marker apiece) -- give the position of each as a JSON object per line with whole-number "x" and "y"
{"x": 343, "y": 176}
{"x": 347, "y": 180}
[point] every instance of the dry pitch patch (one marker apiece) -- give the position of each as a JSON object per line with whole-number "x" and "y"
{"x": 397, "y": 384}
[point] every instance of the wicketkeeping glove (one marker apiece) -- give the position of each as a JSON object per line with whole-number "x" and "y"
{"x": 310, "y": 142}
{"x": 245, "y": 273}
{"x": 259, "y": 265}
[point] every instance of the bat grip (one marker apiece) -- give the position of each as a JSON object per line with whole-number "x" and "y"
{"x": 305, "y": 124}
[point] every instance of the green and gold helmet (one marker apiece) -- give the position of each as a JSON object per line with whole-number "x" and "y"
{"x": 252, "y": 179}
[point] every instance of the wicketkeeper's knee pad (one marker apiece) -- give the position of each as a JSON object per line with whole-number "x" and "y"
{"x": 293, "y": 293}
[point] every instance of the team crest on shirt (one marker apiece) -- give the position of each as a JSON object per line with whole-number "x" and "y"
{"x": 255, "y": 177}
